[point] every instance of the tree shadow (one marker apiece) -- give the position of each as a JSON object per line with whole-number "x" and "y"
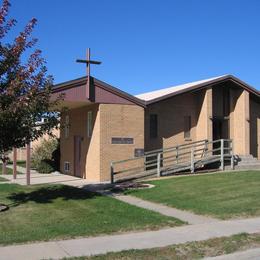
{"x": 49, "y": 194}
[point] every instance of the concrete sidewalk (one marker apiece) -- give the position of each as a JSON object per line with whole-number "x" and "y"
{"x": 52, "y": 178}
{"x": 183, "y": 215}
{"x": 139, "y": 240}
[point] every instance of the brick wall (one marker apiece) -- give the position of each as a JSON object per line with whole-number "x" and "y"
{"x": 21, "y": 152}
{"x": 239, "y": 121}
{"x": 119, "y": 121}
{"x": 204, "y": 114}
{"x": 109, "y": 120}
{"x": 171, "y": 113}
{"x": 89, "y": 146}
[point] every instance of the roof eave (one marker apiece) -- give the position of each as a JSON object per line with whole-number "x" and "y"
{"x": 83, "y": 80}
{"x": 205, "y": 85}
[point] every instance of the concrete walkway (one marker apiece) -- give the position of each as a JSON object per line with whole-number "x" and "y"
{"x": 52, "y": 178}
{"x": 138, "y": 240}
{"x": 250, "y": 254}
{"x": 183, "y": 215}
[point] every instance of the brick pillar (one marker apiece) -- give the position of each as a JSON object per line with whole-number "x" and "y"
{"x": 240, "y": 122}
{"x": 204, "y": 123}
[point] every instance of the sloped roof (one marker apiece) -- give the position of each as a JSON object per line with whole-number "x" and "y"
{"x": 161, "y": 94}
{"x": 165, "y": 91}
{"x": 157, "y": 95}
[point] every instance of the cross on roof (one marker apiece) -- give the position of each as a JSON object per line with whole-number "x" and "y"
{"x": 88, "y": 61}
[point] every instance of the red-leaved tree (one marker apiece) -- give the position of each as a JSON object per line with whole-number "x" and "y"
{"x": 25, "y": 87}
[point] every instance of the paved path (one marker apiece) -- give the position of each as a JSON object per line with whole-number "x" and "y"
{"x": 52, "y": 178}
{"x": 250, "y": 254}
{"x": 183, "y": 215}
{"x": 138, "y": 240}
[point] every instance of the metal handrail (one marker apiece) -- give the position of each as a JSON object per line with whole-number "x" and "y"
{"x": 186, "y": 154}
{"x": 173, "y": 147}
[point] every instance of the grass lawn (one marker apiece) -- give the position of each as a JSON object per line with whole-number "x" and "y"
{"x": 223, "y": 195}
{"x": 55, "y": 212}
{"x": 9, "y": 171}
{"x": 19, "y": 163}
{"x": 191, "y": 250}
{"x": 2, "y": 179}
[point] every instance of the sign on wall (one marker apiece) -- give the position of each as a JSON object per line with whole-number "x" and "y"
{"x": 122, "y": 140}
{"x": 139, "y": 152}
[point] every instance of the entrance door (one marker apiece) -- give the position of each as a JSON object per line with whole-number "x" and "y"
{"x": 77, "y": 156}
{"x": 220, "y": 131}
{"x": 217, "y": 129}
{"x": 217, "y": 134}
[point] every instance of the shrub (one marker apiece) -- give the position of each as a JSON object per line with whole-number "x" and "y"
{"x": 45, "y": 157}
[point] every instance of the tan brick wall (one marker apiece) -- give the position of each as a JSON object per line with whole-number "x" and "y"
{"x": 21, "y": 152}
{"x": 171, "y": 113}
{"x": 119, "y": 121}
{"x": 55, "y": 132}
{"x": 110, "y": 120}
{"x": 205, "y": 113}
{"x": 239, "y": 121}
{"x": 89, "y": 146}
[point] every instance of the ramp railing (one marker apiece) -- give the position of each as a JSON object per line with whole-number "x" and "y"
{"x": 186, "y": 157}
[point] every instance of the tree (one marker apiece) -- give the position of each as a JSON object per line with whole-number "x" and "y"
{"x": 25, "y": 87}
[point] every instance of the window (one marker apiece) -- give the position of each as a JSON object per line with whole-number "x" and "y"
{"x": 187, "y": 127}
{"x": 153, "y": 126}
{"x": 67, "y": 126}
{"x": 90, "y": 124}
{"x": 66, "y": 166}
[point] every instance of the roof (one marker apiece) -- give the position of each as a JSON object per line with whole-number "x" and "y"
{"x": 158, "y": 95}
{"x": 83, "y": 80}
{"x": 161, "y": 94}
{"x": 165, "y": 91}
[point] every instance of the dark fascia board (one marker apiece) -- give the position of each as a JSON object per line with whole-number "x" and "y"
{"x": 69, "y": 84}
{"x": 208, "y": 84}
{"x": 119, "y": 92}
{"x": 99, "y": 83}
{"x": 140, "y": 102}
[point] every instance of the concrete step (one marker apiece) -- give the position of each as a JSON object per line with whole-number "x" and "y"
{"x": 249, "y": 163}
{"x": 246, "y": 160}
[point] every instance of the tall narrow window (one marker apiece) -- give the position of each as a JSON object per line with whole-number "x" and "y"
{"x": 67, "y": 126}
{"x": 153, "y": 126}
{"x": 90, "y": 124}
{"x": 187, "y": 127}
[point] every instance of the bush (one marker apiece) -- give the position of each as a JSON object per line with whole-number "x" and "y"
{"x": 45, "y": 167}
{"x": 45, "y": 157}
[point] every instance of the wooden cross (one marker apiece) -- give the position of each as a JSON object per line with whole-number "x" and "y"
{"x": 88, "y": 61}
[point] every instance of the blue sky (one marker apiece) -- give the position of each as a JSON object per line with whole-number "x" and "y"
{"x": 147, "y": 44}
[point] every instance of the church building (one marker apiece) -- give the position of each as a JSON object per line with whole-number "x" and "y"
{"x": 104, "y": 124}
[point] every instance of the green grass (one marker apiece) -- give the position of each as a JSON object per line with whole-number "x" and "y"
{"x": 19, "y": 163}
{"x": 3, "y": 179}
{"x": 55, "y": 212}
{"x": 223, "y": 195}
{"x": 9, "y": 171}
{"x": 191, "y": 250}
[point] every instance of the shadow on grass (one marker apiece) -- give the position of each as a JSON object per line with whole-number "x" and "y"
{"x": 49, "y": 194}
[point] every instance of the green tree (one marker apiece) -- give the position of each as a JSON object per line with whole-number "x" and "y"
{"x": 25, "y": 87}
